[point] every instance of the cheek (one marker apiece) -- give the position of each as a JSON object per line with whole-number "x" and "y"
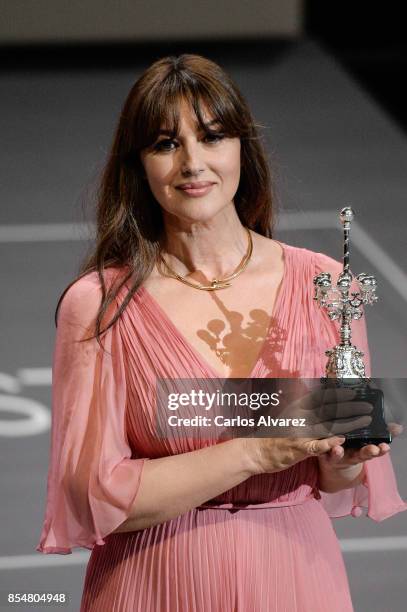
{"x": 157, "y": 172}
{"x": 229, "y": 162}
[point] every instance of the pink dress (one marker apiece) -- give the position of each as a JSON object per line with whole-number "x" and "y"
{"x": 268, "y": 543}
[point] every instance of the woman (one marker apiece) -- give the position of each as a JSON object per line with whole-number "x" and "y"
{"x": 187, "y": 282}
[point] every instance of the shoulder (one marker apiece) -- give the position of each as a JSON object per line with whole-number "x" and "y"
{"x": 321, "y": 262}
{"x": 299, "y": 256}
{"x": 275, "y": 252}
{"x": 81, "y": 300}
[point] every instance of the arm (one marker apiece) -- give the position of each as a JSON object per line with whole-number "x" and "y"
{"x": 92, "y": 477}
{"x": 172, "y": 485}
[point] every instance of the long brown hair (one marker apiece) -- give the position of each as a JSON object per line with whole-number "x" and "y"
{"x": 129, "y": 221}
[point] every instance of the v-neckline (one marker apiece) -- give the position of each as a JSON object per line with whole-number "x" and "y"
{"x": 198, "y": 355}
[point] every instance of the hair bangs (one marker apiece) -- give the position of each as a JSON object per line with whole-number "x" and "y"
{"x": 162, "y": 112}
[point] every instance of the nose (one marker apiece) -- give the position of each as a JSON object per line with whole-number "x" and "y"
{"x": 191, "y": 161}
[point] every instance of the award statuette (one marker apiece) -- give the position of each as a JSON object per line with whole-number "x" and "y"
{"x": 345, "y": 367}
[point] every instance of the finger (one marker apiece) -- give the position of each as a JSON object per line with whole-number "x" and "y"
{"x": 388, "y": 415}
{"x": 340, "y": 426}
{"x": 318, "y": 447}
{"x": 367, "y": 452}
{"x": 370, "y": 451}
{"x": 329, "y": 395}
{"x": 395, "y": 428}
{"x": 321, "y": 395}
{"x": 335, "y": 455}
{"x": 345, "y": 409}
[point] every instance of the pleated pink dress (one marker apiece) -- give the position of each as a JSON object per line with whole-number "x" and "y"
{"x": 267, "y": 544}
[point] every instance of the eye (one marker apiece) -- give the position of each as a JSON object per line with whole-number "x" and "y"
{"x": 165, "y": 143}
{"x": 162, "y": 144}
{"x": 214, "y": 136}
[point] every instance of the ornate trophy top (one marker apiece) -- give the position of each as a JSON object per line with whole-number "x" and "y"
{"x": 346, "y": 215}
{"x": 345, "y": 359}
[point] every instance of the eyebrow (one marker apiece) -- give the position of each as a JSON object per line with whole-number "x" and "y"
{"x": 169, "y": 132}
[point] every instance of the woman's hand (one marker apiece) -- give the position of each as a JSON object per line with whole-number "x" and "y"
{"x": 326, "y": 412}
{"x": 334, "y": 415}
{"x": 339, "y": 457}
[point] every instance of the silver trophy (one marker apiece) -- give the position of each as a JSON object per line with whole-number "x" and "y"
{"x": 345, "y": 363}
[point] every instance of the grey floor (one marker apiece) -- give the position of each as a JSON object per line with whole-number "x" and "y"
{"x": 330, "y": 145}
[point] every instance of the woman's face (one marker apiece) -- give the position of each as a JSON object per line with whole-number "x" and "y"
{"x": 212, "y": 158}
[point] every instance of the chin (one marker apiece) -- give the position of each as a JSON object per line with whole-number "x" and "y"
{"x": 196, "y": 210}
{"x": 204, "y": 213}
{"x": 204, "y": 217}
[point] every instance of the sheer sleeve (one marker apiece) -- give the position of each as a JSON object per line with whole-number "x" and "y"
{"x": 378, "y": 493}
{"x": 92, "y": 480}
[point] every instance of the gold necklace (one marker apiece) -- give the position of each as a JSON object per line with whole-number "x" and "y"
{"x": 216, "y": 283}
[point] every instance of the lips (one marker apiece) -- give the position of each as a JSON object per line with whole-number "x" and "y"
{"x": 196, "y": 185}
{"x": 196, "y": 189}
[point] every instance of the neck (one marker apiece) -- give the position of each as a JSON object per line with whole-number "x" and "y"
{"x": 213, "y": 247}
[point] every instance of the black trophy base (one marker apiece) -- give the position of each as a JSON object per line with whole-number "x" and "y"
{"x": 377, "y": 432}
{"x": 363, "y": 438}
